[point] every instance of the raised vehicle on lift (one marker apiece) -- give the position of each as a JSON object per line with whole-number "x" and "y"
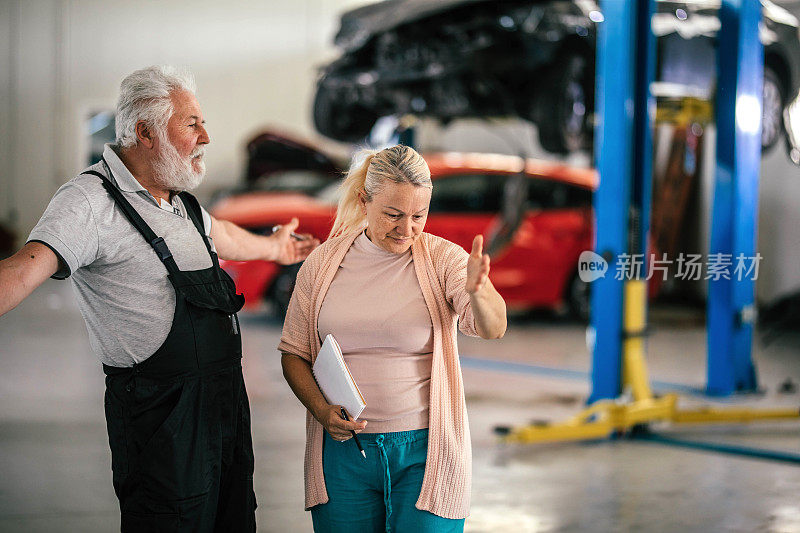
{"x": 532, "y": 59}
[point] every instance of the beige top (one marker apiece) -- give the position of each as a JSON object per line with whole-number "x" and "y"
{"x": 375, "y": 310}
{"x": 441, "y": 268}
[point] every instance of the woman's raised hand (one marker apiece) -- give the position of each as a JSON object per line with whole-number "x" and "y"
{"x": 477, "y": 266}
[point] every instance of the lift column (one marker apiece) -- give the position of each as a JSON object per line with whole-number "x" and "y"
{"x": 623, "y": 147}
{"x": 731, "y": 312}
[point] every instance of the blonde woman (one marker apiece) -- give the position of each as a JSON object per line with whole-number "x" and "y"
{"x": 392, "y": 296}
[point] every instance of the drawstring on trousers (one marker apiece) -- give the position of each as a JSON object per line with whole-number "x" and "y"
{"x": 387, "y": 481}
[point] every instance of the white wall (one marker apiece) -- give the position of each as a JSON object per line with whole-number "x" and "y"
{"x": 255, "y": 64}
{"x": 6, "y": 109}
{"x": 778, "y": 226}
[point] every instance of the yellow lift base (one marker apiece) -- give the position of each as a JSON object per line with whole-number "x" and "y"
{"x": 606, "y": 418}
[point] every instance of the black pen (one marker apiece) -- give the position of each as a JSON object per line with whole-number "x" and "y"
{"x": 355, "y": 437}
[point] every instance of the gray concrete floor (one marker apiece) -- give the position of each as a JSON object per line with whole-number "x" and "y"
{"x": 55, "y": 465}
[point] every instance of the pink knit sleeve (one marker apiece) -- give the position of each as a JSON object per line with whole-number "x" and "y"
{"x": 454, "y": 259}
{"x": 295, "y": 338}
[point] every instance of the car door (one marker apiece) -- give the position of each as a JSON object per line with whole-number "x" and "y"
{"x": 464, "y": 205}
{"x": 555, "y": 230}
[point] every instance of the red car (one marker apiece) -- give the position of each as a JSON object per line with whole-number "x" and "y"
{"x": 536, "y": 269}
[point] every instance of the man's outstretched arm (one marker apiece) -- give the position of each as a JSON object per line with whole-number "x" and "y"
{"x": 21, "y": 273}
{"x": 237, "y": 244}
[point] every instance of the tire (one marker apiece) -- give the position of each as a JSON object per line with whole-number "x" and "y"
{"x": 578, "y": 298}
{"x": 565, "y": 105}
{"x": 341, "y": 121}
{"x": 773, "y": 99}
{"x": 280, "y": 292}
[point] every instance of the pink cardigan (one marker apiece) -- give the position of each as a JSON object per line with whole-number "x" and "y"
{"x": 441, "y": 268}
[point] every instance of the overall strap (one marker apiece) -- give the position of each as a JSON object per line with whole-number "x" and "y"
{"x": 196, "y": 214}
{"x": 158, "y": 244}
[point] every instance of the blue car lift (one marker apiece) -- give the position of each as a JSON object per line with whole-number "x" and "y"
{"x": 731, "y": 310}
{"x": 625, "y": 110}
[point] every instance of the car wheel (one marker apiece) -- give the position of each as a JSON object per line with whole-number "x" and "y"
{"x": 339, "y": 120}
{"x": 565, "y": 104}
{"x": 280, "y": 292}
{"x": 578, "y": 298}
{"x": 771, "y": 110}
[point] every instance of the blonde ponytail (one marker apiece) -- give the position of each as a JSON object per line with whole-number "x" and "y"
{"x": 348, "y": 215}
{"x": 398, "y": 164}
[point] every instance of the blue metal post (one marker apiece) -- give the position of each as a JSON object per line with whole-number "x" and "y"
{"x": 738, "y": 117}
{"x": 623, "y": 147}
{"x": 644, "y": 112}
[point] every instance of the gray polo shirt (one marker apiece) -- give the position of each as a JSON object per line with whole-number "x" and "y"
{"x": 120, "y": 284}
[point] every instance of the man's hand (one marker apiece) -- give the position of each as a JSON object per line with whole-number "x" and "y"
{"x": 339, "y": 428}
{"x": 477, "y": 266}
{"x": 237, "y": 244}
{"x": 289, "y": 249}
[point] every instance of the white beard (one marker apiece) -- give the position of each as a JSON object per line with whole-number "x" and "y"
{"x": 175, "y": 173}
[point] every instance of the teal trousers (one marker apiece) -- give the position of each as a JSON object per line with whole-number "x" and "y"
{"x": 378, "y": 493}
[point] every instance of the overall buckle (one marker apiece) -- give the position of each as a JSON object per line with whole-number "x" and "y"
{"x": 161, "y": 249}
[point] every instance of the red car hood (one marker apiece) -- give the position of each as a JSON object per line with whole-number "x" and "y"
{"x": 247, "y": 209}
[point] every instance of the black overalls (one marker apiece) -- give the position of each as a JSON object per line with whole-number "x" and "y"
{"x": 179, "y": 422}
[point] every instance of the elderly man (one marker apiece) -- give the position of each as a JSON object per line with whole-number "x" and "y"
{"x": 161, "y": 314}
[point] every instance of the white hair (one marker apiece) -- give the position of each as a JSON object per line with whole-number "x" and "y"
{"x": 144, "y": 95}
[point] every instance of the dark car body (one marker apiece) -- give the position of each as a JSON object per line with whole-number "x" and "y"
{"x": 280, "y": 162}
{"x": 270, "y": 152}
{"x": 528, "y": 58}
